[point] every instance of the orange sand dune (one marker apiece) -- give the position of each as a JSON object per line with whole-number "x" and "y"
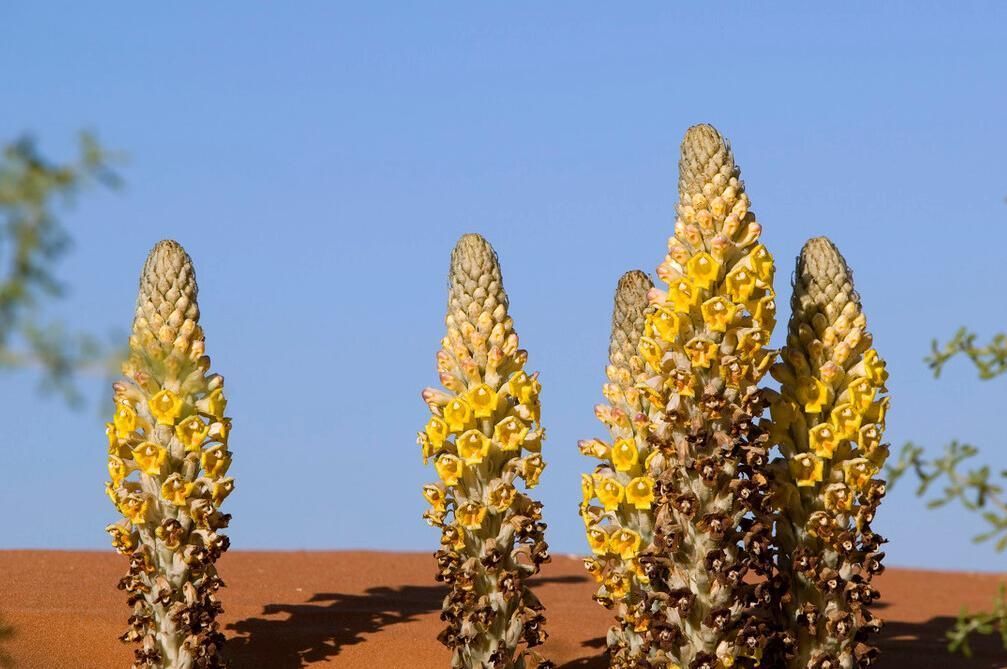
{"x": 369, "y": 609}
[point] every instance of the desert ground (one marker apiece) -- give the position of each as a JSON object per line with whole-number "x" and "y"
{"x": 373, "y": 609}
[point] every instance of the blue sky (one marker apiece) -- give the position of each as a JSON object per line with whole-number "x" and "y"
{"x": 318, "y": 161}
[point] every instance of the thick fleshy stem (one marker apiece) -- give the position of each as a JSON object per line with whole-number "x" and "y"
{"x": 828, "y": 420}
{"x": 483, "y": 436}
{"x": 168, "y": 461}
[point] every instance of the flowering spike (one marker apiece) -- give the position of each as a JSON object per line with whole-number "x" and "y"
{"x": 832, "y": 450}
{"x": 167, "y": 459}
{"x": 677, "y": 530}
{"x": 484, "y": 436}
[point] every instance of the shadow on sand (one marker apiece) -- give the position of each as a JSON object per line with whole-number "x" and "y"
{"x": 6, "y": 632}
{"x": 924, "y": 646}
{"x": 319, "y": 628}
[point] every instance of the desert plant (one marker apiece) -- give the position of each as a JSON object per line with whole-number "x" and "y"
{"x": 483, "y": 436}
{"x": 704, "y": 352}
{"x": 828, "y": 420}
{"x": 169, "y": 429}
{"x": 618, "y": 495}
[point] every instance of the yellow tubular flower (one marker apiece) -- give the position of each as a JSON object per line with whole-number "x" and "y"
{"x": 157, "y": 435}
{"x": 485, "y": 436}
{"x": 828, "y": 422}
{"x": 700, "y": 403}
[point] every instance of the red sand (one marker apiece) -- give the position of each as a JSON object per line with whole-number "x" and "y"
{"x": 364, "y": 609}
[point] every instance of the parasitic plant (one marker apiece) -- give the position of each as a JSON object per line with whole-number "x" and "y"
{"x": 168, "y": 462}
{"x": 704, "y": 352}
{"x": 483, "y": 437}
{"x": 828, "y": 421}
{"x": 619, "y": 494}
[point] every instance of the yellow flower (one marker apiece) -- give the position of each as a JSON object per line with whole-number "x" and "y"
{"x": 500, "y": 495}
{"x": 824, "y": 440}
{"x": 192, "y": 432}
{"x": 220, "y": 429}
{"x": 806, "y": 469}
{"x": 610, "y": 493}
{"x": 117, "y": 469}
{"x": 838, "y": 497}
{"x": 523, "y": 387}
{"x": 751, "y": 340}
{"x": 213, "y": 404}
{"x": 740, "y": 284}
{"x": 449, "y": 468}
{"x": 510, "y": 433}
{"x": 150, "y": 457}
{"x": 134, "y": 507}
{"x": 651, "y": 352}
{"x": 624, "y": 455}
{"x": 877, "y": 412}
{"x": 862, "y": 393}
{"x": 618, "y": 586}
{"x": 165, "y": 406}
{"x": 812, "y": 393}
{"x": 858, "y": 471}
{"x": 701, "y": 351}
{"x": 471, "y": 515}
{"x": 846, "y": 420}
{"x": 625, "y": 542}
{"x": 666, "y": 324}
{"x": 703, "y": 269}
{"x": 458, "y": 415}
{"x": 586, "y": 488}
{"x": 124, "y": 420}
{"x": 215, "y": 460}
{"x": 221, "y": 489}
{"x": 683, "y": 295}
{"x": 483, "y": 400}
{"x": 593, "y": 448}
{"x": 176, "y": 490}
{"x": 765, "y": 311}
{"x": 874, "y": 367}
{"x": 640, "y": 492}
{"x": 718, "y": 312}
{"x": 595, "y": 567}
{"x": 597, "y": 539}
{"x": 681, "y": 382}
{"x": 532, "y": 469}
{"x": 869, "y": 437}
{"x": 435, "y": 495}
{"x": 437, "y": 431}
{"x": 122, "y": 539}
{"x": 473, "y": 447}
{"x": 762, "y": 263}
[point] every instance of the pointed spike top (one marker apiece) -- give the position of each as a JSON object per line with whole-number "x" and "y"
{"x": 168, "y": 291}
{"x": 823, "y": 282}
{"x": 705, "y": 152}
{"x": 628, "y": 316}
{"x": 475, "y": 284}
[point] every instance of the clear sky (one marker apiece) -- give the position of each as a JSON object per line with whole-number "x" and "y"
{"x": 318, "y": 161}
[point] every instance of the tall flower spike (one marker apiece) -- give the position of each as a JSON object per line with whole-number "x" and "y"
{"x": 828, "y": 420}
{"x": 617, "y": 505}
{"x": 168, "y": 461}
{"x": 484, "y": 435}
{"x": 704, "y": 354}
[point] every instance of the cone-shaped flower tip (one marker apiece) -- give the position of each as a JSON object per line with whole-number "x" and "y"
{"x": 628, "y": 317}
{"x": 474, "y": 282}
{"x": 167, "y": 296}
{"x": 705, "y": 152}
{"x": 823, "y": 282}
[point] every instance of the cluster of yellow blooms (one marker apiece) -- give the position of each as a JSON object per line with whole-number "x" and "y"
{"x": 682, "y": 491}
{"x": 828, "y": 421}
{"x": 483, "y": 436}
{"x": 168, "y": 463}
